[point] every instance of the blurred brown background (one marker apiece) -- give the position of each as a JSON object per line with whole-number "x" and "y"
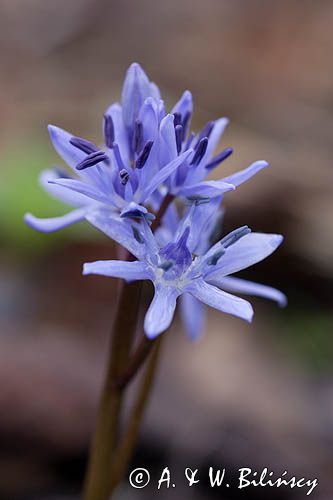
{"x": 259, "y": 395}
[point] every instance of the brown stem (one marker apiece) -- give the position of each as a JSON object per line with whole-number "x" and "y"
{"x": 100, "y": 475}
{"x": 135, "y": 362}
{"x": 98, "y": 479}
{"x": 125, "y": 449}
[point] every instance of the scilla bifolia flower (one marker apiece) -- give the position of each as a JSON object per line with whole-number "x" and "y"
{"x": 177, "y": 269}
{"x": 146, "y": 155}
{"x": 127, "y": 189}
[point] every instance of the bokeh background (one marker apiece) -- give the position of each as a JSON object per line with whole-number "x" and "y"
{"x": 259, "y": 395}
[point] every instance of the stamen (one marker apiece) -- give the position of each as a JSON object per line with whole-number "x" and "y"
{"x": 118, "y": 157}
{"x": 84, "y": 145}
{"x": 92, "y": 159}
{"x": 213, "y": 260}
{"x": 200, "y": 150}
{"x": 206, "y": 131}
{"x": 138, "y": 214}
{"x": 219, "y": 158}
{"x": 124, "y": 176}
{"x": 137, "y": 235}
{"x": 177, "y": 119}
{"x": 166, "y": 265}
{"x": 137, "y": 136}
{"x": 234, "y": 236}
{"x": 143, "y": 157}
{"x": 198, "y": 200}
{"x": 179, "y": 137}
{"x": 186, "y": 123}
{"x": 108, "y": 131}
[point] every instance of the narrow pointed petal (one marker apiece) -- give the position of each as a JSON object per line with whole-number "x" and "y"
{"x": 131, "y": 271}
{"x": 61, "y": 142}
{"x": 162, "y": 175}
{"x": 185, "y": 105}
{"x": 225, "y": 302}
{"x": 59, "y": 192}
{"x": 237, "y": 285}
{"x": 155, "y": 91}
{"x": 247, "y": 251}
{"x": 120, "y": 132}
{"x": 193, "y": 315}
{"x": 246, "y": 174}
{"x": 207, "y": 188}
{"x": 84, "y": 189}
{"x": 161, "y": 311}
{"x": 135, "y": 90}
{"x": 204, "y": 219}
{"x": 53, "y": 224}
{"x": 120, "y": 230}
{"x": 215, "y": 136}
{"x": 167, "y": 145}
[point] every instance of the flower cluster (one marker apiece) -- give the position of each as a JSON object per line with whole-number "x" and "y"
{"x": 149, "y": 160}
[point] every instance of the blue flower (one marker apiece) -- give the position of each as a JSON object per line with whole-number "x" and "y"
{"x": 181, "y": 268}
{"x": 147, "y": 154}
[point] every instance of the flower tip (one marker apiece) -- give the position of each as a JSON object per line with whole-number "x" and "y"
{"x": 263, "y": 163}
{"x": 250, "y": 314}
{"x": 135, "y": 66}
{"x": 188, "y": 95}
{"x": 136, "y": 71}
{"x": 276, "y": 240}
{"x": 52, "y": 129}
{"x": 283, "y": 301}
{"x": 27, "y": 218}
{"x": 57, "y": 134}
{"x": 86, "y": 269}
{"x": 151, "y": 333}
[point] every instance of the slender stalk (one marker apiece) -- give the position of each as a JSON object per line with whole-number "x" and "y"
{"x": 101, "y": 478}
{"x": 125, "y": 449}
{"x": 135, "y": 362}
{"x": 97, "y": 485}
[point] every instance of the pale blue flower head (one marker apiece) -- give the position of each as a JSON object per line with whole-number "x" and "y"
{"x": 182, "y": 268}
{"x": 147, "y": 153}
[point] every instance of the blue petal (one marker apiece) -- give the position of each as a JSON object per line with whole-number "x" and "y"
{"x": 184, "y": 105}
{"x": 155, "y": 91}
{"x": 69, "y": 153}
{"x": 246, "y": 174}
{"x": 161, "y": 311}
{"x": 205, "y": 217}
{"x": 207, "y": 188}
{"x": 149, "y": 117}
{"x": 215, "y": 137}
{"x": 162, "y": 175}
{"x": 55, "y": 223}
{"x": 136, "y": 89}
{"x": 247, "y": 251}
{"x": 167, "y": 145}
{"x": 120, "y": 230}
{"x": 220, "y": 300}
{"x": 193, "y": 315}
{"x": 59, "y": 192}
{"x": 120, "y": 132}
{"x": 245, "y": 287}
{"x": 130, "y": 271}
{"x": 84, "y": 189}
